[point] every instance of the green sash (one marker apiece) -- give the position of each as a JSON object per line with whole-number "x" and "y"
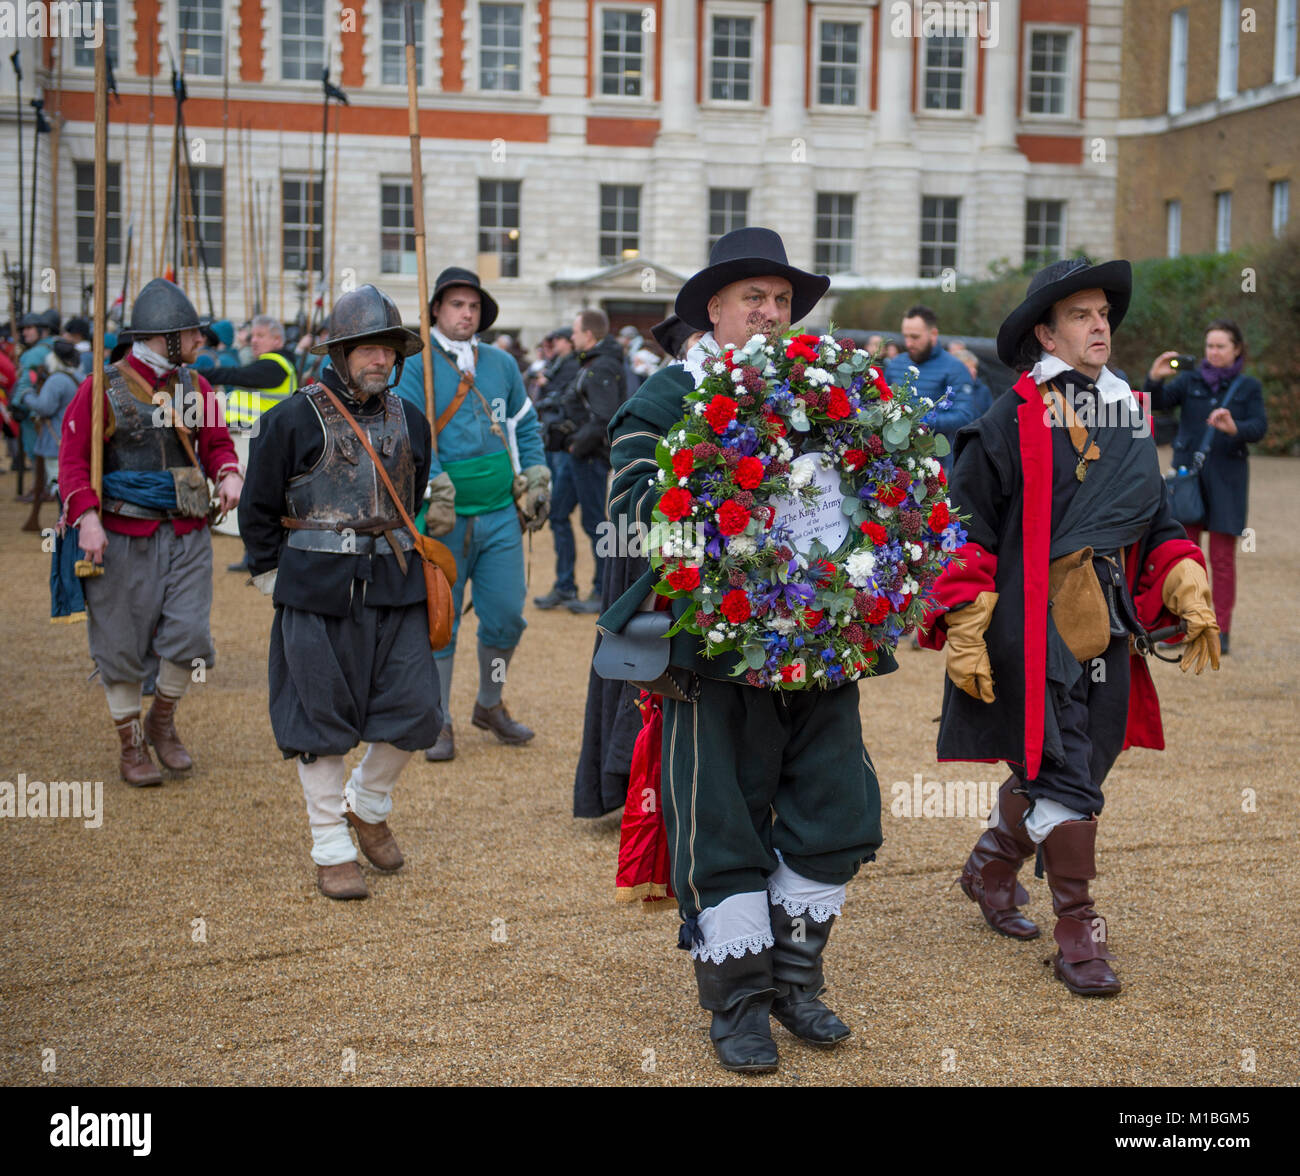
{"x": 483, "y": 483}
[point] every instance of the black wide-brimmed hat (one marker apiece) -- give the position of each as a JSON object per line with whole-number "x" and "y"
{"x": 747, "y": 253}
{"x": 671, "y": 334}
{"x": 455, "y": 275}
{"x": 1055, "y": 282}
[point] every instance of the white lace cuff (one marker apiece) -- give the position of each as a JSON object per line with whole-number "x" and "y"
{"x": 736, "y": 926}
{"x": 800, "y": 895}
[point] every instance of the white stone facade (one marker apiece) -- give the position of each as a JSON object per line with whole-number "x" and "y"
{"x": 783, "y": 151}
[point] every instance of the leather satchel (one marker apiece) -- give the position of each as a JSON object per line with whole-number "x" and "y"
{"x": 1078, "y": 604}
{"x": 439, "y": 563}
{"x": 1186, "y": 494}
{"x": 639, "y": 655}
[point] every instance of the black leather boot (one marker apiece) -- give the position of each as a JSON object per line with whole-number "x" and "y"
{"x": 739, "y": 992}
{"x": 797, "y": 972}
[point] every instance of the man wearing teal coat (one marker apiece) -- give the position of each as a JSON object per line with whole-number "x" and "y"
{"x": 770, "y": 800}
{"x": 488, "y": 477}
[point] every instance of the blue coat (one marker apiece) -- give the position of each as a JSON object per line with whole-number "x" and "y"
{"x": 942, "y": 373}
{"x": 1225, "y": 477}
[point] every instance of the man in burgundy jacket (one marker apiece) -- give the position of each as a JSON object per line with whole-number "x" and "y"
{"x": 150, "y": 530}
{"x": 1060, "y": 473}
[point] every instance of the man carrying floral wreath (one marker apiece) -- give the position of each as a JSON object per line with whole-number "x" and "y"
{"x": 770, "y": 799}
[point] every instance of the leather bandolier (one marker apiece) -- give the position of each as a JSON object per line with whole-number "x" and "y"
{"x": 340, "y": 505}
{"x": 138, "y": 443}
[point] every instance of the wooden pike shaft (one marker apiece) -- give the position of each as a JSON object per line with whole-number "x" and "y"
{"x": 334, "y": 215}
{"x": 100, "y": 308}
{"x": 417, "y": 199}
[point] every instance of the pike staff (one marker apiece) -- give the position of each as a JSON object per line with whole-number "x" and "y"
{"x": 16, "y": 61}
{"x": 417, "y": 199}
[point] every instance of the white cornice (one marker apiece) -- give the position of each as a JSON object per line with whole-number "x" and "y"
{"x": 1159, "y": 124}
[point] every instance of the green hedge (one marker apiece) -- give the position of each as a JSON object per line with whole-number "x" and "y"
{"x": 1173, "y": 299}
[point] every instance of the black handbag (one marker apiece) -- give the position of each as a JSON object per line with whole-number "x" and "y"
{"x": 1186, "y": 498}
{"x": 639, "y": 655}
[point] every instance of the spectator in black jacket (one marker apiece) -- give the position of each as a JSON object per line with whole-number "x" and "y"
{"x": 599, "y": 390}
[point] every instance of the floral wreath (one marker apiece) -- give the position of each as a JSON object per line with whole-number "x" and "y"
{"x": 751, "y": 475}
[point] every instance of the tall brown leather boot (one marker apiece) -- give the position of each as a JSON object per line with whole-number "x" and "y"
{"x": 989, "y": 877}
{"x": 1070, "y": 860}
{"x": 136, "y": 765}
{"x": 33, "y": 522}
{"x": 160, "y": 730}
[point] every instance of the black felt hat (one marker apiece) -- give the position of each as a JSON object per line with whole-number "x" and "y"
{"x": 671, "y": 334}
{"x": 455, "y": 275}
{"x": 1060, "y": 280}
{"x": 747, "y": 253}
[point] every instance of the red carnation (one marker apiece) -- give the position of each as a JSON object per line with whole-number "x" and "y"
{"x": 879, "y": 611}
{"x": 676, "y": 504}
{"x": 812, "y": 617}
{"x": 683, "y": 462}
{"x": 890, "y": 495}
{"x": 886, "y": 393}
{"x": 720, "y": 412}
{"x": 839, "y": 406}
{"x": 792, "y": 673}
{"x": 684, "y": 577}
{"x": 876, "y": 533}
{"x": 938, "y": 516}
{"x": 732, "y": 518}
{"x": 735, "y": 606}
{"x": 822, "y": 570}
{"x": 855, "y": 459}
{"x": 767, "y": 516}
{"x": 749, "y": 473}
{"x": 778, "y": 425}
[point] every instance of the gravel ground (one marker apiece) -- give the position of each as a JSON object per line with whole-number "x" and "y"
{"x": 184, "y": 943}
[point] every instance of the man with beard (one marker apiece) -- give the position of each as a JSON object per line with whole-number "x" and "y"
{"x": 150, "y": 531}
{"x": 1073, "y": 552}
{"x": 771, "y": 803}
{"x": 939, "y": 374}
{"x": 491, "y": 479}
{"x": 350, "y": 659}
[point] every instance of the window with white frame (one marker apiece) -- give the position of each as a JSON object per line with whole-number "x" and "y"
{"x": 498, "y": 223}
{"x": 302, "y": 40}
{"x": 301, "y": 208}
{"x": 620, "y": 222}
{"x": 200, "y": 32}
{"x": 839, "y": 63}
{"x": 622, "y": 53}
{"x": 1049, "y": 66}
{"x": 1229, "y": 31}
{"x": 728, "y": 211}
{"x": 731, "y": 59}
{"x": 207, "y": 191}
{"x": 501, "y": 47}
{"x": 84, "y": 181}
{"x": 83, "y": 52}
{"x": 1222, "y": 222}
{"x": 940, "y": 226}
{"x": 392, "y": 46}
{"x": 1173, "y": 228}
{"x": 1284, "y": 42}
{"x": 944, "y": 73}
{"x": 397, "y": 227}
{"x": 833, "y": 233}
{"x": 1280, "y": 190}
{"x": 1044, "y": 230}
{"x": 1178, "y": 61}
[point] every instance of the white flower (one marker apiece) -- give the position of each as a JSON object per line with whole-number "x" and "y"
{"x": 699, "y": 408}
{"x": 859, "y": 567}
{"x": 742, "y": 545}
{"x": 737, "y": 376}
{"x": 662, "y": 476}
{"x": 914, "y": 552}
{"x": 819, "y": 673}
{"x": 682, "y": 481}
{"x": 715, "y": 636}
{"x": 817, "y": 376}
{"x": 911, "y": 587}
{"x": 801, "y": 475}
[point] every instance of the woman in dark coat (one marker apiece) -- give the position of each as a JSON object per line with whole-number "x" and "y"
{"x": 1225, "y": 477}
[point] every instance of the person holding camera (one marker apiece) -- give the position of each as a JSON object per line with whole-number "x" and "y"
{"x": 1214, "y": 394}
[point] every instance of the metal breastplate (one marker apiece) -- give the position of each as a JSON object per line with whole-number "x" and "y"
{"x": 138, "y": 442}
{"x": 343, "y": 489}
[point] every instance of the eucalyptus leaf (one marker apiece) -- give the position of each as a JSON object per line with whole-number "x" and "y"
{"x": 755, "y": 656}
{"x": 941, "y": 446}
{"x": 896, "y": 434}
{"x": 799, "y": 420}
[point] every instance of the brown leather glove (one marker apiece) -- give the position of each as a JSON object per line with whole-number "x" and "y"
{"x": 1186, "y": 593}
{"x": 968, "y": 656}
{"x": 440, "y": 517}
{"x": 532, "y": 489}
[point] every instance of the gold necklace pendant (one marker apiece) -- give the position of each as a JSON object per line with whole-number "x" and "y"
{"x": 1081, "y": 470}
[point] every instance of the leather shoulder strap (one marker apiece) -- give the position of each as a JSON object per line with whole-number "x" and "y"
{"x": 462, "y": 390}
{"x": 370, "y": 451}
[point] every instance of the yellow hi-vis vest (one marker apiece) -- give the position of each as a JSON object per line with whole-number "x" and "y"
{"x": 245, "y": 405}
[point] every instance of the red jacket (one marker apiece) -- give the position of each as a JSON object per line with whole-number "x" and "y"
{"x": 215, "y": 450}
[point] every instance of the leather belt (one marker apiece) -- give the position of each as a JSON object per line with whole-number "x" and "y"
{"x": 348, "y": 542}
{"x": 131, "y": 510}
